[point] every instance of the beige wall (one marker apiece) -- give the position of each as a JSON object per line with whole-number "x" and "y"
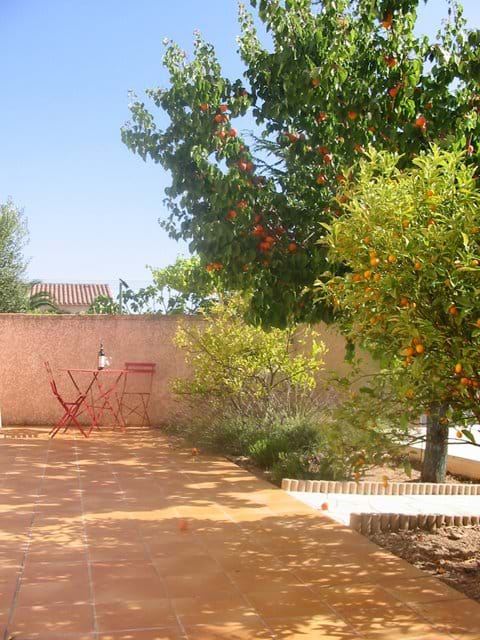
{"x": 26, "y": 341}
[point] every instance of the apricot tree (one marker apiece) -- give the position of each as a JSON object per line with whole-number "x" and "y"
{"x": 340, "y": 75}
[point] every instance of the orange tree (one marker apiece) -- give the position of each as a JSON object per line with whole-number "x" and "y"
{"x": 340, "y": 75}
{"x": 411, "y": 239}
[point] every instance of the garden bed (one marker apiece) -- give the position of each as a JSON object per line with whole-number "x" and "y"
{"x": 452, "y": 554}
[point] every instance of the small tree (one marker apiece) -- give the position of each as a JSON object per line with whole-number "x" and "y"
{"x": 186, "y": 286}
{"x": 181, "y": 288}
{"x": 244, "y": 366}
{"x": 411, "y": 239}
{"x": 13, "y": 235}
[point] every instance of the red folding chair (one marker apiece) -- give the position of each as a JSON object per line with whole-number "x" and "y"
{"x": 137, "y": 389}
{"x": 71, "y": 408}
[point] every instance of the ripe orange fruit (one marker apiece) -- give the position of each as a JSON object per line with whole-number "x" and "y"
{"x": 404, "y": 302}
{"x": 232, "y": 133}
{"x": 321, "y": 179}
{"x": 367, "y": 274}
{"x": 315, "y": 82}
{"x": 405, "y": 224}
{"x": 421, "y": 122}
{"x": 464, "y": 381}
{"x": 452, "y": 310}
{"x": 324, "y": 506}
{"x": 322, "y": 116}
{"x": 392, "y": 92}
{"x": 218, "y": 117}
{"x": 392, "y": 259}
{"x": 376, "y": 277}
{"x": 387, "y": 21}
{"x": 232, "y": 214}
{"x": 391, "y": 61}
{"x": 292, "y": 247}
{"x": 478, "y": 322}
{"x": 292, "y": 137}
{"x": 223, "y": 107}
{"x": 475, "y": 231}
{"x": 204, "y": 106}
{"x": 418, "y": 265}
{"x": 474, "y": 263}
{"x": 419, "y": 348}
{"x": 374, "y": 262}
{"x": 328, "y": 158}
{"x": 409, "y": 351}
{"x": 352, "y": 115}
{"x": 458, "y": 367}
{"x": 410, "y": 393}
{"x": 459, "y": 434}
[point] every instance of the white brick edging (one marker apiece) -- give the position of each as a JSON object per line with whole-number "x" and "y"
{"x": 380, "y": 488}
{"x": 383, "y": 522}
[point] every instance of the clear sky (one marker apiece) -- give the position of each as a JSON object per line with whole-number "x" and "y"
{"x": 66, "y": 67}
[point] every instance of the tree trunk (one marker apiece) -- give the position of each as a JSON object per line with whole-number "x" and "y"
{"x": 434, "y": 467}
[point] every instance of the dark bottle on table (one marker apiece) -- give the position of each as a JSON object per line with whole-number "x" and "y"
{"x": 101, "y": 358}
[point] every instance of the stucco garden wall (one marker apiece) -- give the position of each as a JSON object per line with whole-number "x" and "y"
{"x": 26, "y": 341}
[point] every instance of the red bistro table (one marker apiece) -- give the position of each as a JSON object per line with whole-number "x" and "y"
{"x": 100, "y": 390}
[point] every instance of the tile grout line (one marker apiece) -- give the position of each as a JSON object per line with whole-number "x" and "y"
{"x": 263, "y": 546}
{"x": 116, "y": 476}
{"x": 87, "y": 545}
{"x": 27, "y": 547}
{"x": 243, "y": 596}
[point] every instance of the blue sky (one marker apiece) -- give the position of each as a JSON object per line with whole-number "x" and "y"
{"x": 66, "y": 67}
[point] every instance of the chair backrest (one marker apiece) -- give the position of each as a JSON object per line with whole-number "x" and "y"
{"x": 140, "y": 367}
{"x": 142, "y": 379}
{"x": 51, "y": 378}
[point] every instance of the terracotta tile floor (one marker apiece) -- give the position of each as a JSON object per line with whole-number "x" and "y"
{"x": 122, "y": 537}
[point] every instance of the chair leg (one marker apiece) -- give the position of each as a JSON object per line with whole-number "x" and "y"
{"x": 66, "y": 421}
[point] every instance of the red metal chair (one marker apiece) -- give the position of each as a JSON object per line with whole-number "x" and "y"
{"x": 137, "y": 390}
{"x": 71, "y": 408}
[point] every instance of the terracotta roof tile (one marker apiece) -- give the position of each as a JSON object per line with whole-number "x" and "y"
{"x": 72, "y": 294}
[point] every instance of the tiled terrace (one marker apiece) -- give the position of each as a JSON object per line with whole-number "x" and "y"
{"x": 121, "y": 537}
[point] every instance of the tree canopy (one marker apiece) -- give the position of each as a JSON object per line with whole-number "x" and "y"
{"x": 13, "y": 235}
{"x": 340, "y": 75}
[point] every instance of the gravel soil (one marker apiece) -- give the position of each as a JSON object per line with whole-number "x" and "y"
{"x": 452, "y": 554}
